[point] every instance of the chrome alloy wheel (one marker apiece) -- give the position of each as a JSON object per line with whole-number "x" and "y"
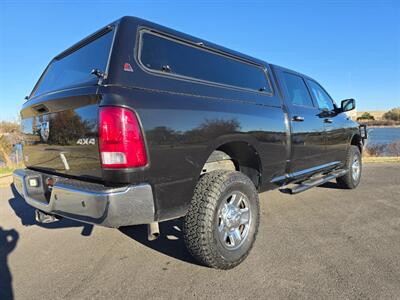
{"x": 356, "y": 168}
{"x": 234, "y": 220}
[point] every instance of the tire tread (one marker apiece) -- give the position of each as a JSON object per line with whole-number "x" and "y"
{"x": 198, "y": 229}
{"x": 346, "y": 181}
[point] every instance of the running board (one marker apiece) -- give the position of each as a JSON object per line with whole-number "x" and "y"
{"x": 308, "y": 184}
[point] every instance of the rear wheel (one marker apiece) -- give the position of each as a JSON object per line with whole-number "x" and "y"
{"x": 222, "y": 222}
{"x": 354, "y": 165}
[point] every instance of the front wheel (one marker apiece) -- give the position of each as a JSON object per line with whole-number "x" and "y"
{"x": 354, "y": 164}
{"x": 222, "y": 222}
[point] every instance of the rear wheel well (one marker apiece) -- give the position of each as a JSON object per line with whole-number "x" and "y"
{"x": 239, "y": 156}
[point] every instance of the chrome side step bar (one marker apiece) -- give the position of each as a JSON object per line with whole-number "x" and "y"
{"x": 308, "y": 184}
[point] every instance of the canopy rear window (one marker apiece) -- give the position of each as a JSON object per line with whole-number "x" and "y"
{"x": 163, "y": 54}
{"x": 75, "y": 68}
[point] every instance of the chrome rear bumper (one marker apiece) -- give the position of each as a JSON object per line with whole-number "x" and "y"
{"x": 87, "y": 202}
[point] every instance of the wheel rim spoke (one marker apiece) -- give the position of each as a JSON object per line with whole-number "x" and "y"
{"x": 355, "y": 168}
{"x": 244, "y": 216}
{"x": 236, "y": 200}
{"x": 224, "y": 235}
{"x": 235, "y": 237}
{"x": 221, "y": 226}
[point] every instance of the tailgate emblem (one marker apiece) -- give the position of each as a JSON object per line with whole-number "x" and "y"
{"x": 44, "y": 131}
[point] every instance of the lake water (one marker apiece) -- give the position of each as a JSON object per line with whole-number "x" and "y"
{"x": 383, "y": 135}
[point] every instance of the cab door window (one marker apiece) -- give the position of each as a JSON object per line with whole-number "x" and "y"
{"x": 297, "y": 89}
{"x": 323, "y": 100}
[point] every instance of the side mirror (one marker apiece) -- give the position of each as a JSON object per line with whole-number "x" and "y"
{"x": 347, "y": 104}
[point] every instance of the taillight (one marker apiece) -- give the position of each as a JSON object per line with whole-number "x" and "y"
{"x": 120, "y": 139}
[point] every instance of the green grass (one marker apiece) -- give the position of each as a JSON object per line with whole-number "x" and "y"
{"x": 6, "y": 170}
{"x": 380, "y": 159}
{"x": 9, "y": 170}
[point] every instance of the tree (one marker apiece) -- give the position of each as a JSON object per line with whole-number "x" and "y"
{"x": 10, "y": 134}
{"x": 162, "y": 135}
{"x": 366, "y": 116}
{"x": 67, "y": 127}
{"x": 212, "y": 128}
{"x": 393, "y": 114}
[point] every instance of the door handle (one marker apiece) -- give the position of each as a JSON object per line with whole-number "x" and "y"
{"x": 298, "y": 119}
{"x": 328, "y": 120}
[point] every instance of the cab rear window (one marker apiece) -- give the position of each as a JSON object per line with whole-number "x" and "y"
{"x": 169, "y": 56}
{"x": 75, "y": 67}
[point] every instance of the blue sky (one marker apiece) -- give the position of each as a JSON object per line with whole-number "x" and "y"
{"x": 351, "y": 47}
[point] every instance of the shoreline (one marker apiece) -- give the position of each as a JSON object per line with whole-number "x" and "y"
{"x": 382, "y": 126}
{"x": 381, "y": 159}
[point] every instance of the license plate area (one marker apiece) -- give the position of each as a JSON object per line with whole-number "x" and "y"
{"x": 39, "y": 187}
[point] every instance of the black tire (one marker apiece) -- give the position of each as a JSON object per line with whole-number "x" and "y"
{"x": 351, "y": 180}
{"x": 203, "y": 222}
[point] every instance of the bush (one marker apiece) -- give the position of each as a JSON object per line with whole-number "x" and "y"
{"x": 392, "y": 149}
{"x": 375, "y": 149}
{"x": 379, "y": 122}
{"x": 10, "y": 134}
{"x": 366, "y": 116}
{"x": 393, "y": 114}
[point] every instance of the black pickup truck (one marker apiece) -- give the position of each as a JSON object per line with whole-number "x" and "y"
{"x": 138, "y": 124}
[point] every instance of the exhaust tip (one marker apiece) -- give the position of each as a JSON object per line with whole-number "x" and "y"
{"x": 154, "y": 236}
{"x": 44, "y": 218}
{"x": 153, "y": 231}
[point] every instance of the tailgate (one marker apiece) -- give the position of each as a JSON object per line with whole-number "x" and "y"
{"x": 60, "y": 136}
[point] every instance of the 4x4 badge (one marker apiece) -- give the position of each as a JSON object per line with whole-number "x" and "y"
{"x": 86, "y": 141}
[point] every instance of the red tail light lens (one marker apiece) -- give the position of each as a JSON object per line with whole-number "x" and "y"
{"x": 120, "y": 139}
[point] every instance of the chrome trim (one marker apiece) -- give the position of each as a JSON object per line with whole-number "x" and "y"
{"x": 313, "y": 169}
{"x": 305, "y": 171}
{"x": 110, "y": 207}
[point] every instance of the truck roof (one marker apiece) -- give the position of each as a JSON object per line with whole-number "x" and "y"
{"x": 176, "y": 33}
{"x": 142, "y": 22}
{"x": 130, "y": 20}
